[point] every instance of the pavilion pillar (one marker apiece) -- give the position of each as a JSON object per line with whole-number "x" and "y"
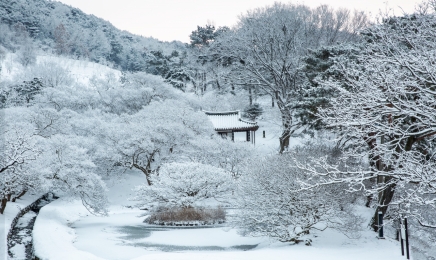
{"x": 248, "y": 136}
{"x": 233, "y": 136}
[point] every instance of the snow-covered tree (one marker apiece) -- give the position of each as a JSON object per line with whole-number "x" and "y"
{"x": 273, "y": 200}
{"x": 68, "y": 170}
{"x": 41, "y": 153}
{"x": 156, "y": 134}
{"x": 203, "y": 36}
{"x": 19, "y": 150}
{"x": 185, "y": 184}
{"x": 253, "y": 111}
{"x": 219, "y": 152}
{"x": 178, "y": 77}
{"x": 51, "y": 74}
{"x": 20, "y": 94}
{"x": 62, "y": 41}
{"x": 385, "y": 109}
{"x": 268, "y": 46}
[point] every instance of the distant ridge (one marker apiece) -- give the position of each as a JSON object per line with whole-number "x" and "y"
{"x": 85, "y": 36}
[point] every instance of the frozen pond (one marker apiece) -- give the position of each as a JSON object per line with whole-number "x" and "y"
{"x": 123, "y": 235}
{"x": 169, "y": 239}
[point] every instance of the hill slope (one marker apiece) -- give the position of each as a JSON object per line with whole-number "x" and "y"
{"x": 66, "y": 30}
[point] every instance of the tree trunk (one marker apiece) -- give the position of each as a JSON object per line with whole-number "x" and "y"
{"x": 368, "y": 201}
{"x": 195, "y": 88}
{"x": 218, "y": 85}
{"x": 284, "y": 140}
{"x": 250, "y": 96}
{"x": 286, "y": 124}
{"x": 286, "y": 134}
{"x": 385, "y": 196}
{"x": 147, "y": 169}
{"x": 3, "y": 205}
{"x": 374, "y": 162}
{"x": 385, "y": 199}
{"x": 147, "y": 173}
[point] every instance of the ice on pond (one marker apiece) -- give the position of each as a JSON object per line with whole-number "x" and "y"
{"x": 204, "y": 238}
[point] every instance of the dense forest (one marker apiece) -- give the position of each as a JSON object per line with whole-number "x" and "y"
{"x": 64, "y": 30}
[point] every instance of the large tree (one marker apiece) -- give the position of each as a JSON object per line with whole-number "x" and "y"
{"x": 269, "y": 45}
{"x": 158, "y": 133}
{"x": 385, "y": 107}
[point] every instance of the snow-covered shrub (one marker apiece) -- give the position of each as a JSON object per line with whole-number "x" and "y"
{"x": 187, "y": 216}
{"x": 185, "y": 184}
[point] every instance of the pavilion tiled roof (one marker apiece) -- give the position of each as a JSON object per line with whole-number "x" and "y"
{"x": 231, "y": 120}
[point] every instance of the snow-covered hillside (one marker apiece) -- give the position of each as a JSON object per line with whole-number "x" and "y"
{"x": 80, "y": 71}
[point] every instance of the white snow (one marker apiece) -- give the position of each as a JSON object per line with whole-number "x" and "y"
{"x": 53, "y": 238}
{"x": 228, "y": 120}
{"x": 65, "y": 230}
{"x": 18, "y": 251}
{"x": 297, "y": 252}
{"x": 80, "y": 70}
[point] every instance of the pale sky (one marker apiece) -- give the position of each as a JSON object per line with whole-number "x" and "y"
{"x": 169, "y": 20}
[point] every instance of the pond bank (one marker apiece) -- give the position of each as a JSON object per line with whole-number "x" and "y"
{"x": 19, "y": 238}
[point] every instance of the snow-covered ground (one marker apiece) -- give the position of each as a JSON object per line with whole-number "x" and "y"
{"x": 80, "y": 71}
{"x": 65, "y": 230}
